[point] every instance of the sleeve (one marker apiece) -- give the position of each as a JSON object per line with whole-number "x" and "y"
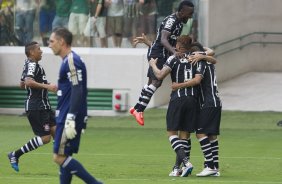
{"x": 31, "y": 69}
{"x": 76, "y": 86}
{"x": 170, "y": 62}
{"x": 168, "y": 24}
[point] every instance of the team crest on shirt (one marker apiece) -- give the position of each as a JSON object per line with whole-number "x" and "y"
{"x": 46, "y": 127}
{"x": 184, "y": 60}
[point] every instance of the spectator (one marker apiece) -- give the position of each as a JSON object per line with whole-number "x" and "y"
{"x": 62, "y": 14}
{"x": 25, "y": 15}
{"x": 164, "y": 8}
{"x": 7, "y": 36}
{"x": 97, "y": 22}
{"x": 77, "y": 21}
{"x": 115, "y": 21}
{"x": 148, "y": 18}
{"x": 47, "y": 13}
{"x": 130, "y": 19}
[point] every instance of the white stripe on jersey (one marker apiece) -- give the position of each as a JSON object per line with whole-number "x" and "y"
{"x": 73, "y": 75}
{"x": 184, "y": 81}
{"x": 176, "y": 79}
{"x": 212, "y": 86}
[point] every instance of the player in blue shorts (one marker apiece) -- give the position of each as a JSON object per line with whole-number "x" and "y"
{"x": 71, "y": 112}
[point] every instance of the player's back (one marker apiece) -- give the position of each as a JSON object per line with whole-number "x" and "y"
{"x": 209, "y": 96}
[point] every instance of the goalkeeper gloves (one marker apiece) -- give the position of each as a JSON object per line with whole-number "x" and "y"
{"x": 70, "y": 126}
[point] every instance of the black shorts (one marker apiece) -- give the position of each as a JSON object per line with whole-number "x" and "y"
{"x": 41, "y": 121}
{"x": 181, "y": 114}
{"x": 160, "y": 64}
{"x": 209, "y": 121}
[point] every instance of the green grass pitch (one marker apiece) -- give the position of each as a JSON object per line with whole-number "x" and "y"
{"x": 116, "y": 150}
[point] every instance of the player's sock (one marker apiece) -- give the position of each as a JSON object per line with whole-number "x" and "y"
{"x": 65, "y": 176}
{"x": 206, "y": 149}
{"x": 145, "y": 99}
{"x": 74, "y": 167}
{"x": 178, "y": 148}
{"x": 32, "y": 144}
{"x": 186, "y": 144}
{"x": 140, "y": 97}
{"x": 214, "y": 149}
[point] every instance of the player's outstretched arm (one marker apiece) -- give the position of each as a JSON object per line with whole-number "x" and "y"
{"x": 160, "y": 74}
{"x": 193, "y": 82}
{"x": 198, "y": 57}
{"x": 29, "y": 82}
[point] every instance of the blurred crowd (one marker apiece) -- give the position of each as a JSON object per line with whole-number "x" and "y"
{"x": 92, "y": 22}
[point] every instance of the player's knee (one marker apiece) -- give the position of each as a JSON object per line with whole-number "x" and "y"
{"x": 59, "y": 159}
{"x": 46, "y": 139}
{"x": 157, "y": 83}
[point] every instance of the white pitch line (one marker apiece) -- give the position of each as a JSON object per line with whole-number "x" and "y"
{"x": 146, "y": 179}
{"x": 126, "y": 155}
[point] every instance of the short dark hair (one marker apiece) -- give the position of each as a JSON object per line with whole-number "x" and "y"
{"x": 29, "y": 47}
{"x": 185, "y": 41}
{"x": 196, "y": 46}
{"x": 185, "y": 3}
{"x": 65, "y": 34}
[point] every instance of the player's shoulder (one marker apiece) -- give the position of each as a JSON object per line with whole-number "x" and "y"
{"x": 171, "y": 59}
{"x": 170, "y": 21}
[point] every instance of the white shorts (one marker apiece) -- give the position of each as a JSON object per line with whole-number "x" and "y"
{"x": 77, "y": 23}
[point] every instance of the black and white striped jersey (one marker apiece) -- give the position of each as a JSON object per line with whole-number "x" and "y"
{"x": 181, "y": 71}
{"x": 209, "y": 96}
{"x": 37, "y": 99}
{"x": 174, "y": 26}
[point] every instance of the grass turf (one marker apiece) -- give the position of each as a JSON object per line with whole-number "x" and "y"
{"x": 117, "y": 150}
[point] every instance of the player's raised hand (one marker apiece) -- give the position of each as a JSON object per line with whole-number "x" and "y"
{"x": 195, "y": 58}
{"x": 141, "y": 39}
{"x": 70, "y": 126}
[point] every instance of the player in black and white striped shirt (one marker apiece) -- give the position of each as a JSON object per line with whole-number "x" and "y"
{"x": 37, "y": 106}
{"x": 181, "y": 113}
{"x": 208, "y": 123}
{"x": 162, "y": 48}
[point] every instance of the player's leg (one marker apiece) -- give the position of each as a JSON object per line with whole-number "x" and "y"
{"x": 204, "y": 127}
{"x": 215, "y": 152}
{"x": 147, "y": 94}
{"x": 69, "y": 166}
{"x": 174, "y": 119}
{"x": 213, "y": 136}
{"x": 62, "y": 156}
{"x": 39, "y": 121}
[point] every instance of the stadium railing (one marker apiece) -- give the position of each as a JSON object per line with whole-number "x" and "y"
{"x": 238, "y": 43}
